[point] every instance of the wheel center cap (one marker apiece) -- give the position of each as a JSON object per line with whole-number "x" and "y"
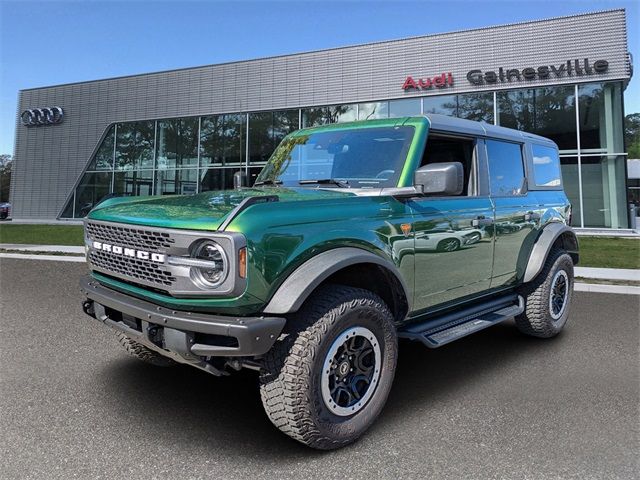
{"x": 343, "y": 369}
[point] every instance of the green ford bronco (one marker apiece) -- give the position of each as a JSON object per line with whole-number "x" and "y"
{"x": 353, "y": 235}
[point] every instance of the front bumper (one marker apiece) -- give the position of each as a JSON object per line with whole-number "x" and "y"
{"x": 190, "y": 335}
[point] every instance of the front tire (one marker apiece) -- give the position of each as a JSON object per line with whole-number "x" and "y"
{"x": 327, "y": 381}
{"x": 548, "y": 297}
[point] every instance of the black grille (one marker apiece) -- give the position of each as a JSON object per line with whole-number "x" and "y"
{"x": 131, "y": 267}
{"x": 133, "y": 237}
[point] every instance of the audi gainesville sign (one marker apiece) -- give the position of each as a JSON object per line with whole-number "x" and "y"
{"x": 566, "y": 69}
{"x": 578, "y": 68}
{"x": 42, "y": 116}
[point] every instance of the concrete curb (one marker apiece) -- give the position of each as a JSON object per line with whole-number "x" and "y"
{"x": 36, "y": 221}
{"x": 42, "y": 248}
{"x": 607, "y": 232}
{"x": 54, "y": 258}
{"x": 608, "y": 273}
{"x": 597, "y": 288}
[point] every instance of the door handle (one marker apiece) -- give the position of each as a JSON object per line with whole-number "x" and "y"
{"x": 481, "y": 221}
{"x": 529, "y": 216}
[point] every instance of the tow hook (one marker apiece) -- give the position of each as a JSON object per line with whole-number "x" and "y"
{"x": 87, "y": 307}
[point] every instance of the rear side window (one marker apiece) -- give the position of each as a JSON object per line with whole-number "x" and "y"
{"x": 506, "y": 170}
{"x": 546, "y": 166}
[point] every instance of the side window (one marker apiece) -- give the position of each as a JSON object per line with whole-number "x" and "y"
{"x": 546, "y": 166}
{"x": 442, "y": 149}
{"x": 506, "y": 170}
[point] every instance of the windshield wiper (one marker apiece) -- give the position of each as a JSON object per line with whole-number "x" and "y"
{"x": 268, "y": 182}
{"x": 321, "y": 181}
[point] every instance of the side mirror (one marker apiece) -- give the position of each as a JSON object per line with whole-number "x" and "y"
{"x": 239, "y": 179}
{"x": 440, "y": 178}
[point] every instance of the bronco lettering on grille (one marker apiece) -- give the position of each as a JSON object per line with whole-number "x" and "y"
{"x": 129, "y": 252}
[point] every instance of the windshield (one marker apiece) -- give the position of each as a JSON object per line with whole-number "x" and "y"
{"x": 357, "y": 158}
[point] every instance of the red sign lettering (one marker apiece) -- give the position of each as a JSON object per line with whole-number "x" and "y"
{"x": 439, "y": 81}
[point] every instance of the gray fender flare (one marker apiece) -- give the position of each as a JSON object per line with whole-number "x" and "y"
{"x": 305, "y": 279}
{"x": 545, "y": 241}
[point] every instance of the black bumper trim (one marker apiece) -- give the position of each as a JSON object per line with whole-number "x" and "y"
{"x": 255, "y": 335}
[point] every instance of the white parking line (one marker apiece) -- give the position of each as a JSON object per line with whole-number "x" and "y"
{"x": 55, "y": 258}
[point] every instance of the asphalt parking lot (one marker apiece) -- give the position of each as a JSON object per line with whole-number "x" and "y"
{"x": 493, "y": 405}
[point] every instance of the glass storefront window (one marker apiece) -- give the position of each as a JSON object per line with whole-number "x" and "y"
{"x": 372, "y": 111}
{"x": 547, "y": 111}
{"x": 134, "y": 145}
{"x": 476, "y": 106}
{"x": 441, "y": 104}
{"x": 634, "y": 193}
{"x": 234, "y": 134}
{"x": 570, "y": 182}
{"x": 133, "y": 182}
{"x": 266, "y": 131}
{"x": 406, "y": 107}
{"x": 212, "y": 140}
{"x": 600, "y": 107}
{"x": 603, "y": 198}
{"x": 222, "y": 140}
{"x": 68, "y": 209}
{"x": 125, "y": 157}
{"x": 177, "y": 143}
{"x": 315, "y": 116}
{"x": 93, "y": 188}
{"x": 284, "y": 122}
{"x": 103, "y": 159}
{"x": 176, "y": 181}
{"x": 342, "y": 113}
{"x": 253, "y": 174}
{"x": 260, "y": 136}
{"x": 217, "y": 179}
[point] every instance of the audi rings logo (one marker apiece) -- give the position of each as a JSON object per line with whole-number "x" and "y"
{"x": 42, "y": 116}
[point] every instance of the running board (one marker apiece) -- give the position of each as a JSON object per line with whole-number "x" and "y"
{"x": 439, "y": 331}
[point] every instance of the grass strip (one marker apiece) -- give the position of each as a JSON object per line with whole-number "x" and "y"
{"x": 42, "y": 234}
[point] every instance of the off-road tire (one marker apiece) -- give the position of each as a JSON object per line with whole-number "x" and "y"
{"x": 536, "y": 320}
{"x": 290, "y": 382}
{"x": 143, "y": 353}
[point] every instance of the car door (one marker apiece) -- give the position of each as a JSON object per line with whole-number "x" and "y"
{"x": 516, "y": 213}
{"x": 453, "y": 250}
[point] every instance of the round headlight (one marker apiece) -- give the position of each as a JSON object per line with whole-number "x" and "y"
{"x": 213, "y": 269}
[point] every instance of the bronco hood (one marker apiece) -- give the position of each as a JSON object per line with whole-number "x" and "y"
{"x": 205, "y": 211}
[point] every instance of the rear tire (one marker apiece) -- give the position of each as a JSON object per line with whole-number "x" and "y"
{"x": 143, "y": 353}
{"x": 548, "y": 297}
{"x": 327, "y": 381}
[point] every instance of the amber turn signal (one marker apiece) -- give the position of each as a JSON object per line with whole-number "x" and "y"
{"x": 242, "y": 262}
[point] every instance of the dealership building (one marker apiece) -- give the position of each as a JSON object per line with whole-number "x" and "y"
{"x": 189, "y": 130}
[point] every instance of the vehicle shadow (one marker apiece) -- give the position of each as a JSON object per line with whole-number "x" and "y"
{"x": 227, "y": 413}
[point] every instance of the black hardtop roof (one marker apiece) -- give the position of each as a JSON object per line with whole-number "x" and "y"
{"x": 444, "y": 123}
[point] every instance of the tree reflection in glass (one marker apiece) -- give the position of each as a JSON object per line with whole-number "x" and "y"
{"x": 546, "y": 111}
